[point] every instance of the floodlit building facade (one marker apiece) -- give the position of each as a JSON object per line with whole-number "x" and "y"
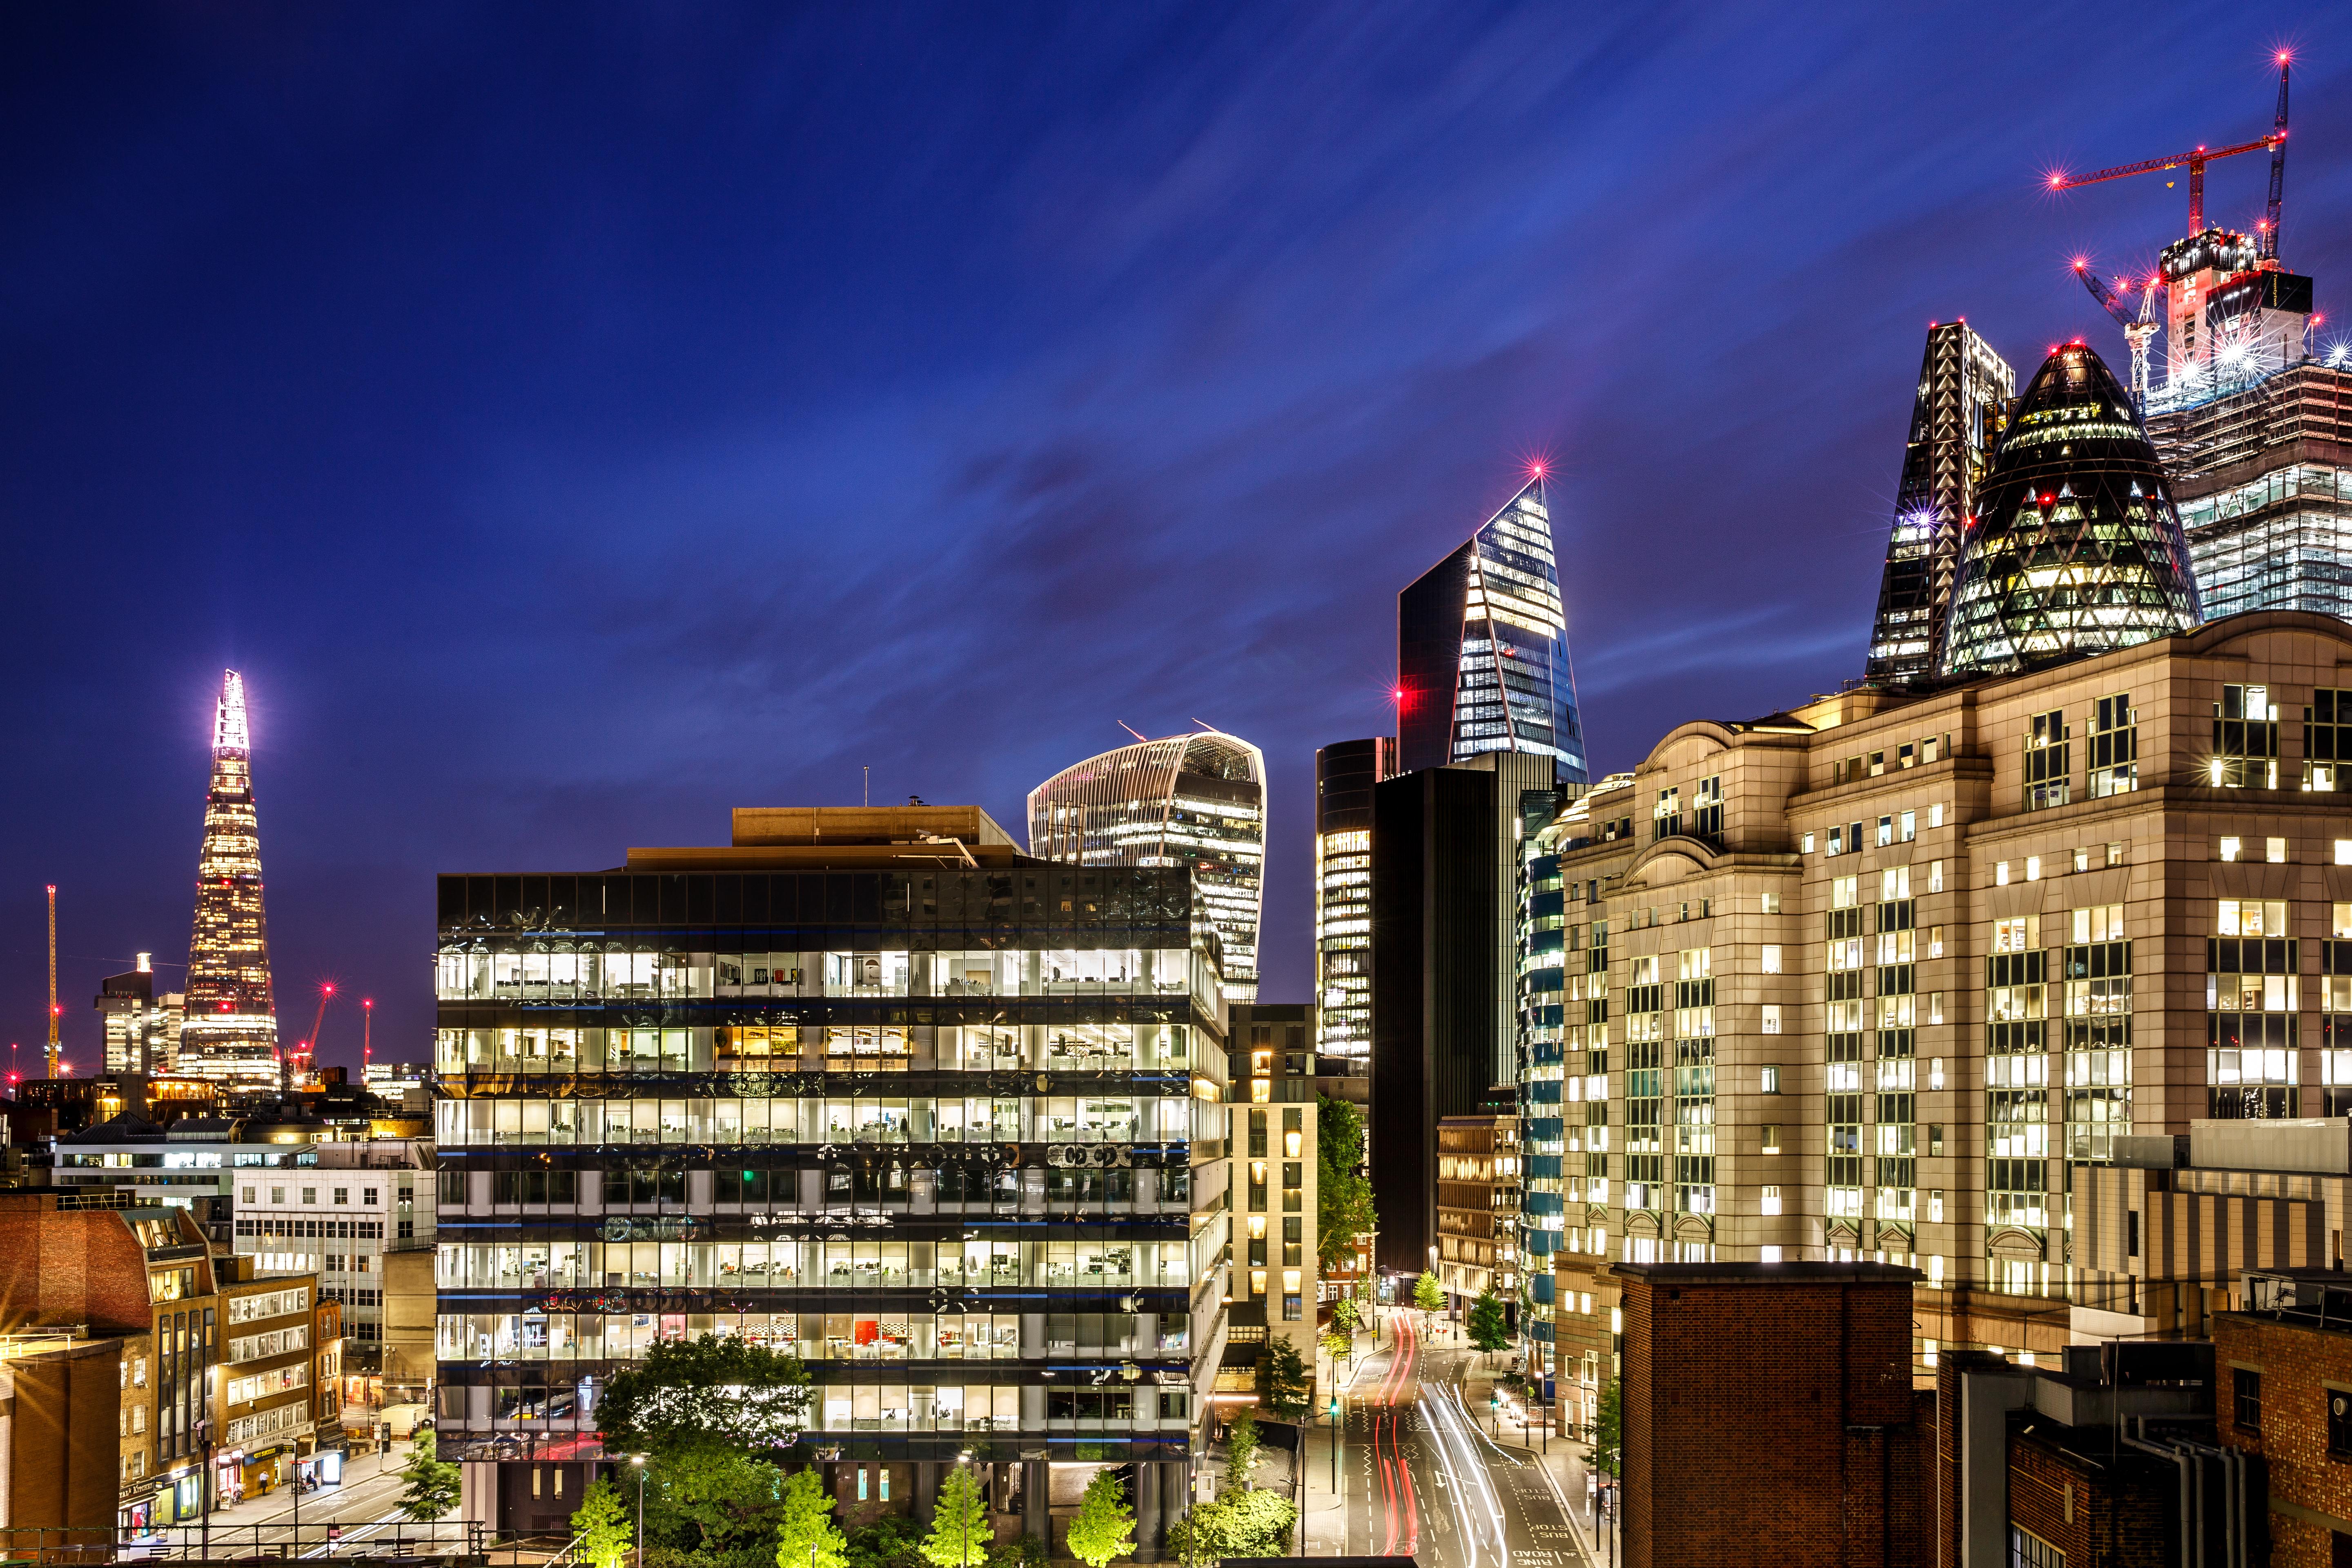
{"x": 1888, "y": 975}
{"x": 1272, "y": 1129}
{"x": 1482, "y": 650}
{"x": 1196, "y": 801}
{"x": 1956, "y": 422}
{"x": 1345, "y": 775}
{"x": 141, "y": 1028}
{"x": 229, "y": 1031}
{"x": 868, "y": 1086}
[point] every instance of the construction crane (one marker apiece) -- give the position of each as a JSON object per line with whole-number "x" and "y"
{"x": 2137, "y": 330}
{"x": 54, "y": 1010}
{"x": 2278, "y": 166}
{"x": 306, "y": 1055}
{"x": 2195, "y": 160}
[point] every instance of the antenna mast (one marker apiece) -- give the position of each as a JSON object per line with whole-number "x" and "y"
{"x": 53, "y": 981}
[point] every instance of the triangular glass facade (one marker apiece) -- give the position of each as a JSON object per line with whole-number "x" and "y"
{"x": 1482, "y": 650}
{"x": 2075, "y": 547}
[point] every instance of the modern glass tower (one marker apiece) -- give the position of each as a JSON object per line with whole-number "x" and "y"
{"x": 230, "y": 1029}
{"x": 869, "y": 1086}
{"x": 1482, "y": 650}
{"x": 1344, "y": 773}
{"x": 2075, "y": 547}
{"x": 1956, "y": 423}
{"x": 1195, "y": 800}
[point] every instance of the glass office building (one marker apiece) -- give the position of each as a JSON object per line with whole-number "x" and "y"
{"x": 1482, "y": 650}
{"x": 867, "y": 1085}
{"x": 229, "y": 1027}
{"x": 1344, "y": 773}
{"x": 2075, "y": 547}
{"x": 1195, "y": 801}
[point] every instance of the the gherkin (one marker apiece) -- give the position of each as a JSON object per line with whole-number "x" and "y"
{"x": 2075, "y": 547}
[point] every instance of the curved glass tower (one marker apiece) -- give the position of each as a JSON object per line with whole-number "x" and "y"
{"x": 1195, "y": 800}
{"x": 1482, "y": 650}
{"x": 2075, "y": 547}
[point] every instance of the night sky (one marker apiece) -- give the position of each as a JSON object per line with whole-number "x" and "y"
{"x": 578, "y": 421}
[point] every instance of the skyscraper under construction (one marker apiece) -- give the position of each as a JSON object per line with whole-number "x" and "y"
{"x": 1956, "y": 422}
{"x": 230, "y": 1032}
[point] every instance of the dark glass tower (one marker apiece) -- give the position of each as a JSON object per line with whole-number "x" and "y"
{"x": 2075, "y": 547}
{"x": 1956, "y": 420}
{"x": 1345, "y": 775}
{"x": 1482, "y": 650}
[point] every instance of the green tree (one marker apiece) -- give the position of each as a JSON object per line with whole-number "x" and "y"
{"x": 1337, "y": 1346}
{"x": 1427, "y": 1293}
{"x": 1105, "y": 1527}
{"x": 1487, "y": 1329}
{"x": 961, "y": 1532}
{"x": 712, "y": 1391}
{"x": 1609, "y": 1429}
{"x": 602, "y": 1525}
{"x": 728, "y": 1496}
{"x": 1240, "y": 1452}
{"x": 1345, "y": 1317}
{"x": 1239, "y": 1524}
{"x": 1343, "y": 1193}
{"x": 432, "y": 1486}
{"x": 1284, "y": 1385}
{"x": 806, "y": 1536}
{"x": 892, "y": 1541}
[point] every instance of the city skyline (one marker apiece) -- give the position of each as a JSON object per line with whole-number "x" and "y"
{"x": 417, "y": 498}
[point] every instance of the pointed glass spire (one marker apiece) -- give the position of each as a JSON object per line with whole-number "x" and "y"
{"x": 230, "y": 1032}
{"x": 2075, "y": 547}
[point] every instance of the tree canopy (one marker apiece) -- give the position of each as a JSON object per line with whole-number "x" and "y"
{"x": 430, "y": 1487}
{"x": 1488, "y": 1328}
{"x": 602, "y": 1525}
{"x": 1105, "y": 1527}
{"x": 1343, "y": 1193}
{"x": 1427, "y": 1294}
{"x": 806, "y": 1536}
{"x": 1609, "y": 1428}
{"x": 1283, "y": 1384}
{"x": 702, "y": 1391}
{"x": 1240, "y": 1450}
{"x": 960, "y": 1530}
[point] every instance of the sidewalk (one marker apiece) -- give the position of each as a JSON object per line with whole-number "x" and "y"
{"x": 329, "y": 1503}
{"x": 1326, "y": 1510}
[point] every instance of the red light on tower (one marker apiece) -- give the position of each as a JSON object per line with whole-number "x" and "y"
{"x": 1537, "y": 468}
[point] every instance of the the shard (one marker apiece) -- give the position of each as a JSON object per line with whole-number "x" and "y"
{"x": 1956, "y": 421}
{"x": 230, "y": 1029}
{"x": 1482, "y": 650}
{"x": 2075, "y": 547}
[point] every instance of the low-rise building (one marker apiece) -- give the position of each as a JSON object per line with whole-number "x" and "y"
{"x": 265, "y": 1413}
{"x": 335, "y": 1207}
{"x": 1478, "y": 1177}
{"x": 1271, "y": 1135}
{"x": 2283, "y": 1377}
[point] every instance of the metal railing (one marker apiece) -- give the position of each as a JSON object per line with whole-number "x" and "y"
{"x": 391, "y": 1541}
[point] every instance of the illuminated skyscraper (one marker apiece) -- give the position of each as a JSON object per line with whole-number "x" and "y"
{"x": 1344, "y": 776}
{"x": 1195, "y": 800}
{"x": 230, "y": 1028}
{"x": 2075, "y": 547}
{"x": 1482, "y": 650}
{"x": 1956, "y": 419}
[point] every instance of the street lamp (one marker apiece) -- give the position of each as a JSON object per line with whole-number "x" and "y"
{"x": 1334, "y": 1414}
{"x": 639, "y": 1461}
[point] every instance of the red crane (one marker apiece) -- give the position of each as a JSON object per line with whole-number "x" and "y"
{"x": 2195, "y": 160}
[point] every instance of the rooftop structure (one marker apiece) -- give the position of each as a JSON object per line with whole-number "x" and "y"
{"x": 1196, "y": 801}
{"x": 229, "y": 1032}
{"x": 2075, "y": 547}
{"x": 1482, "y": 650}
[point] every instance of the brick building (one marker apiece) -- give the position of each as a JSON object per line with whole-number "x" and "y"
{"x": 1770, "y": 1416}
{"x": 2077, "y": 1463}
{"x": 60, "y": 1408}
{"x": 2285, "y": 1370}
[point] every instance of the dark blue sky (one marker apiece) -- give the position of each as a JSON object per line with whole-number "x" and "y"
{"x": 576, "y": 421}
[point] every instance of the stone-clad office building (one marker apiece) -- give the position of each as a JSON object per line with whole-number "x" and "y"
{"x": 868, "y": 1086}
{"x": 1885, "y": 975}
